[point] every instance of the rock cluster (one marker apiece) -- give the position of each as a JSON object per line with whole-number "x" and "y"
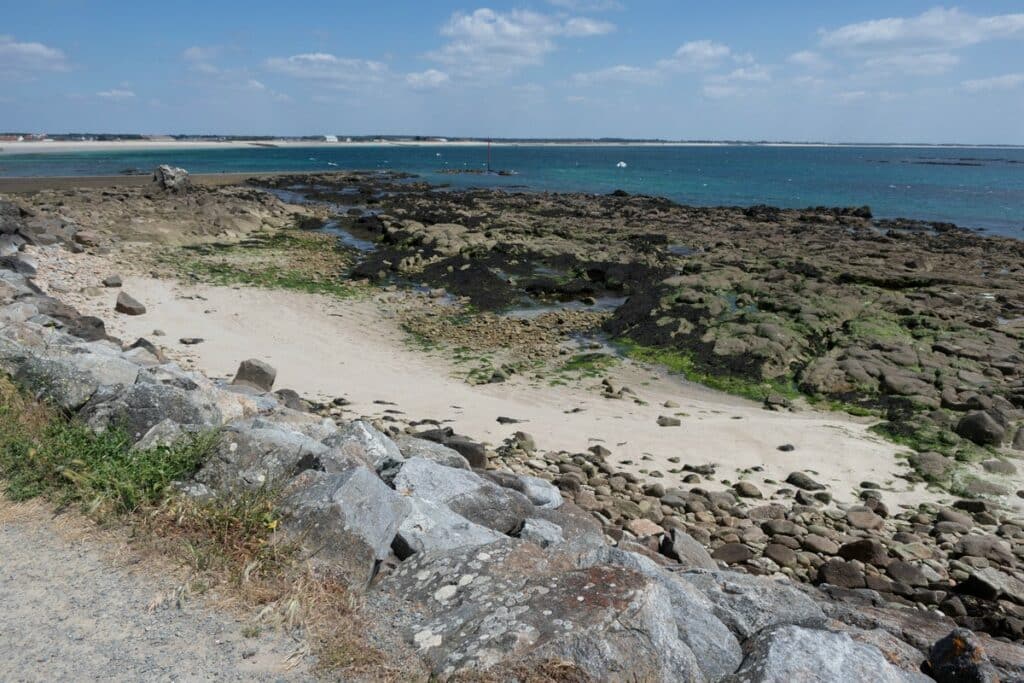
{"x": 486, "y": 569}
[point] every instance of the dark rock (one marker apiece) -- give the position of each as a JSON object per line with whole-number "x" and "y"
{"x": 841, "y": 573}
{"x": 668, "y": 421}
{"x": 291, "y": 399}
{"x": 780, "y": 554}
{"x": 128, "y": 305}
{"x": 745, "y": 489}
{"x": 803, "y": 481}
{"x": 981, "y": 428}
{"x": 256, "y": 374}
{"x": 867, "y": 550}
{"x": 960, "y": 658}
{"x": 733, "y": 553}
{"x": 112, "y": 281}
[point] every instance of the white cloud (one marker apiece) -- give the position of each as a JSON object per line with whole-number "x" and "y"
{"x": 621, "y": 73}
{"x": 809, "y": 59}
{"x": 23, "y": 60}
{"x": 328, "y": 69}
{"x": 852, "y": 96}
{"x": 1004, "y": 82}
{"x": 697, "y": 55}
{"x": 587, "y": 5}
{"x": 425, "y": 80}
{"x": 253, "y": 84}
{"x": 756, "y": 73}
{"x": 489, "y": 42}
{"x": 116, "y": 94}
{"x": 926, "y": 64}
{"x": 938, "y": 28}
{"x": 717, "y": 91}
{"x": 198, "y": 53}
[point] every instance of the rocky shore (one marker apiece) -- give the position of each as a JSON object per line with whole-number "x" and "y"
{"x": 514, "y": 559}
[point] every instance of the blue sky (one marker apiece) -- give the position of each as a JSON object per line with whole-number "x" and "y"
{"x": 782, "y": 70}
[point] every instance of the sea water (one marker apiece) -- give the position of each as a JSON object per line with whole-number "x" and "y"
{"x": 973, "y": 187}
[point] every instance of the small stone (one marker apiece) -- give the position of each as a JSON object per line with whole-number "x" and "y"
{"x": 864, "y": 519}
{"x": 803, "y": 481}
{"x": 733, "y": 553}
{"x": 787, "y": 448}
{"x": 112, "y": 281}
{"x": 191, "y": 341}
{"x": 841, "y": 573}
{"x": 128, "y": 305}
{"x": 745, "y": 489}
{"x": 820, "y": 544}
{"x": 905, "y": 572}
{"x": 780, "y": 555}
{"x": 668, "y": 421}
{"x": 643, "y": 528}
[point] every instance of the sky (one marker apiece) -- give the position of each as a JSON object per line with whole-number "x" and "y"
{"x": 868, "y": 71}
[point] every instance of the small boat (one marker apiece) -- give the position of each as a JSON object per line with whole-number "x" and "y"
{"x": 621, "y": 164}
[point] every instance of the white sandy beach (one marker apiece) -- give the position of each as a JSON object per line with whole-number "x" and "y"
{"x": 325, "y": 348}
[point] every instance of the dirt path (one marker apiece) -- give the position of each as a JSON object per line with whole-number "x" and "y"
{"x": 69, "y": 613}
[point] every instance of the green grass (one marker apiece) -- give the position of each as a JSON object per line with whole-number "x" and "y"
{"x": 683, "y": 362}
{"x": 44, "y": 454}
{"x": 269, "y": 277}
{"x": 589, "y": 364}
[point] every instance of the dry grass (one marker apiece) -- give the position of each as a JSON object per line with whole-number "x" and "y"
{"x": 229, "y": 552}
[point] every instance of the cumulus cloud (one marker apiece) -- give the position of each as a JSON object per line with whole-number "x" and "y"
{"x": 808, "y": 59}
{"x": 938, "y": 28}
{"x": 621, "y": 73}
{"x": 116, "y": 94}
{"x": 926, "y": 64}
{"x": 697, "y": 55}
{"x": 426, "y": 80}
{"x": 489, "y": 42}
{"x": 25, "y": 60}
{"x": 327, "y": 69}
{"x": 1004, "y": 82}
{"x": 198, "y": 53}
{"x": 587, "y": 5}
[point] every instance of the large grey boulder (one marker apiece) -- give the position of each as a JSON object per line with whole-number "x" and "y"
{"x": 788, "y": 654}
{"x": 22, "y": 264}
{"x": 692, "y": 612}
{"x": 433, "y": 527}
{"x": 361, "y": 440}
{"x": 58, "y": 382}
{"x": 541, "y": 532}
{"x": 748, "y": 604}
{"x": 347, "y": 520}
{"x": 11, "y": 244}
{"x": 465, "y": 492}
{"x": 411, "y": 447}
{"x": 508, "y": 605}
{"x": 540, "y": 492}
{"x": 256, "y": 374}
{"x": 141, "y": 406}
{"x": 171, "y": 178}
{"x": 253, "y": 454}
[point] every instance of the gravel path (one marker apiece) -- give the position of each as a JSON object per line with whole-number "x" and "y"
{"x": 67, "y": 613}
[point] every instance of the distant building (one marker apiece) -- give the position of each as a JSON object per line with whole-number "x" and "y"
{"x": 330, "y": 138}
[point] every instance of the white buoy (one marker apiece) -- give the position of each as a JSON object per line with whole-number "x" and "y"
{"x": 621, "y": 164}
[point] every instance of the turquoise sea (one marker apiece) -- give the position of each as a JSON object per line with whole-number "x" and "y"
{"x": 973, "y": 187}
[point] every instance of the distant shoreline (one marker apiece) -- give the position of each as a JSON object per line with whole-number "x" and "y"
{"x": 58, "y": 147}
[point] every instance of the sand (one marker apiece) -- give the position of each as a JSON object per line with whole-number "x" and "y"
{"x": 325, "y": 348}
